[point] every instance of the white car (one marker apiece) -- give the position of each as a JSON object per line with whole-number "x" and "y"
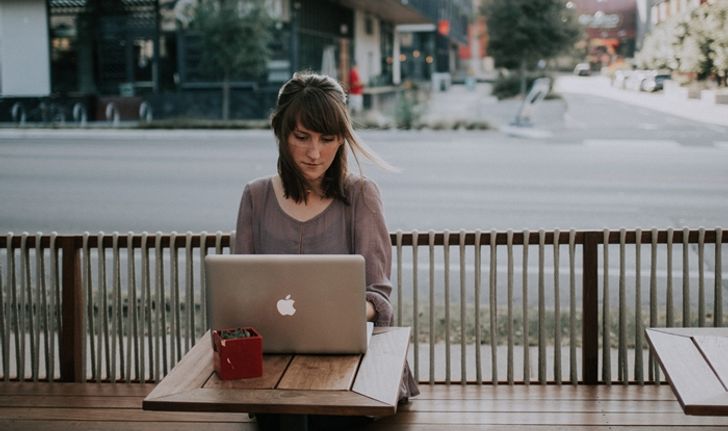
{"x": 582, "y": 69}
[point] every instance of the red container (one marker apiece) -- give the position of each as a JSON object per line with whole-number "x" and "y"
{"x": 237, "y": 358}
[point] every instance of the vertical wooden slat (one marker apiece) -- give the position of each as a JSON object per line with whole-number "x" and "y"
{"x": 590, "y": 309}
{"x": 103, "y": 332}
{"x": 606, "y": 320}
{"x": 35, "y": 309}
{"x": 145, "y": 330}
{"x": 130, "y": 307}
{"x": 89, "y": 323}
{"x": 160, "y": 323}
{"x": 431, "y": 249}
{"x": 541, "y": 309}
{"x": 493, "y": 302}
{"x": 463, "y": 319}
{"x": 638, "y": 342}
{"x": 477, "y": 286}
{"x": 669, "y": 312}
{"x": 415, "y": 307}
{"x": 524, "y": 294}
{"x": 203, "y": 285}
{"x": 4, "y": 336}
{"x": 572, "y": 309}
{"x": 24, "y": 304}
{"x": 70, "y": 348}
{"x": 557, "y": 311}
{"x": 189, "y": 294}
{"x": 117, "y": 341}
{"x": 400, "y": 286}
{"x": 686, "y": 279}
{"x": 448, "y": 362}
{"x": 176, "y": 317}
{"x": 622, "y": 365}
{"x": 654, "y": 368}
{"x": 701, "y": 277}
{"x": 718, "y": 300}
{"x": 509, "y": 245}
{"x": 55, "y": 316}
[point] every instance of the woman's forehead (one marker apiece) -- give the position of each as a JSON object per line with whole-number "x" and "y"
{"x": 301, "y": 128}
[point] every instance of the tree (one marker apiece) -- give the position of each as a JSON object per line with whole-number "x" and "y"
{"x": 234, "y": 37}
{"x": 522, "y": 32}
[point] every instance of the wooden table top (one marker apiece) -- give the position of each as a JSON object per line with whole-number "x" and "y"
{"x": 362, "y": 385}
{"x": 696, "y": 365}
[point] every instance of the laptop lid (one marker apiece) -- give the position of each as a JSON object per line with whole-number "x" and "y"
{"x": 298, "y": 303}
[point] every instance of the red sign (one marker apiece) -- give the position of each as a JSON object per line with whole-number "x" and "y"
{"x": 443, "y": 27}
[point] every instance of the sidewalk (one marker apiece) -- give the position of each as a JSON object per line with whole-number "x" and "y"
{"x": 461, "y": 104}
{"x": 691, "y": 109}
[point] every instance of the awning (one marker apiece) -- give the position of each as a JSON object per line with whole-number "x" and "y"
{"x": 394, "y": 11}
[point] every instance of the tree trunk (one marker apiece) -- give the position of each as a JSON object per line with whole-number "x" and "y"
{"x": 226, "y": 97}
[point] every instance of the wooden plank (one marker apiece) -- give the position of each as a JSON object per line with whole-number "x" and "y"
{"x": 117, "y": 415}
{"x": 536, "y": 427}
{"x": 70, "y": 348}
{"x": 690, "y": 332}
{"x": 273, "y": 368}
{"x": 275, "y": 401}
{"x": 320, "y": 372}
{"x": 547, "y": 392}
{"x": 590, "y": 308}
{"x": 546, "y": 418}
{"x": 551, "y": 406}
{"x": 70, "y": 401}
{"x": 381, "y": 368}
{"x": 689, "y": 374}
{"x": 715, "y": 351}
{"x": 79, "y": 389}
{"x": 190, "y": 373}
{"x": 45, "y": 425}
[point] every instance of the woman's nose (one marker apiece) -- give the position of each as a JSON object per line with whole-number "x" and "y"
{"x": 314, "y": 150}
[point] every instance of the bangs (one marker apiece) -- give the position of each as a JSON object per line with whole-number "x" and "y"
{"x": 317, "y": 111}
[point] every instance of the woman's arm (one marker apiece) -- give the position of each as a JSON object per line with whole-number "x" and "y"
{"x": 244, "y": 226}
{"x": 371, "y": 240}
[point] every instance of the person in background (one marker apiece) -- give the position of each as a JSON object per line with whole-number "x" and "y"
{"x": 356, "y": 91}
{"x": 313, "y": 205}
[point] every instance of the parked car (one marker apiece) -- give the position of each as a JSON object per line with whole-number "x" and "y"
{"x": 654, "y": 81}
{"x": 582, "y": 69}
{"x": 646, "y": 80}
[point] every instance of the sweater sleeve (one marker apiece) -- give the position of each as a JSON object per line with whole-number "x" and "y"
{"x": 244, "y": 227}
{"x": 371, "y": 240}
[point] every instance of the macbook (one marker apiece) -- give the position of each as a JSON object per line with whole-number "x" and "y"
{"x": 298, "y": 303}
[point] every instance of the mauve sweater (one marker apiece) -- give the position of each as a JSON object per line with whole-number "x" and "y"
{"x": 264, "y": 228}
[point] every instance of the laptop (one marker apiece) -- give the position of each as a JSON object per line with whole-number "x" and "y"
{"x": 298, "y": 303}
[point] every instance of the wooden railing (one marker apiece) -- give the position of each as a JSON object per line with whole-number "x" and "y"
{"x": 113, "y": 307}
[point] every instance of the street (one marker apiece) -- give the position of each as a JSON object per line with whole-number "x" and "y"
{"x": 606, "y": 165}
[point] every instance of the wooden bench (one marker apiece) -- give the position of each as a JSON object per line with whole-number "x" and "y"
{"x": 105, "y": 406}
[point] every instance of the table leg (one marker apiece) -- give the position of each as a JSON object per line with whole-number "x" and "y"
{"x": 294, "y": 423}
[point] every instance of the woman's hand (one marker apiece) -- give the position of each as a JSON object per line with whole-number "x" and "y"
{"x": 371, "y": 312}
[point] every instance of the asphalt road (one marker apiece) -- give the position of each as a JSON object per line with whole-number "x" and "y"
{"x": 606, "y": 165}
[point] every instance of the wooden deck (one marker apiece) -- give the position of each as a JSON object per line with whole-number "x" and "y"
{"x": 73, "y": 406}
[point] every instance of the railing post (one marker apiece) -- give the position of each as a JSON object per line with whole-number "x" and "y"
{"x": 590, "y": 310}
{"x": 71, "y": 334}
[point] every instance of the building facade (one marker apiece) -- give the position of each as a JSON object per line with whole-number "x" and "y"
{"x": 96, "y": 52}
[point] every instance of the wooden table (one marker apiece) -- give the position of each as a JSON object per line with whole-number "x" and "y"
{"x": 350, "y": 385}
{"x": 695, "y": 361}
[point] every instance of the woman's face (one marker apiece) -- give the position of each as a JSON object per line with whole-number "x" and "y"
{"x": 313, "y": 152}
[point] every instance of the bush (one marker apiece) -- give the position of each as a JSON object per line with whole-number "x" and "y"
{"x": 507, "y": 86}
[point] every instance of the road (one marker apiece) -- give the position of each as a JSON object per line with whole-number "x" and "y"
{"x": 606, "y": 165}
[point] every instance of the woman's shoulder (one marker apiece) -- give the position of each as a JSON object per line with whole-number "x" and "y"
{"x": 258, "y": 185}
{"x": 363, "y": 189}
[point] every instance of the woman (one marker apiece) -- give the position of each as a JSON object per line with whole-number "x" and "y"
{"x": 313, "y": 205}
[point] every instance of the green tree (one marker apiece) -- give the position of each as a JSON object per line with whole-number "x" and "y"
{"x": 234, "y": 38}
{"x": 521, "y": 32}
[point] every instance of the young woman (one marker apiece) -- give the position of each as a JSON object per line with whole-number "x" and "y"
{"x": 314, "y": 205}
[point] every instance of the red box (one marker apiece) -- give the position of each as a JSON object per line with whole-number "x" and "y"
{"x": 237, "y": 358}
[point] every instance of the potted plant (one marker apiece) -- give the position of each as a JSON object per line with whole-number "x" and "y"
{"x": 237, "y": 353}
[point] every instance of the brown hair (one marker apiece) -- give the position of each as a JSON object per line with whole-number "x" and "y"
{"x": 318, "y": 103}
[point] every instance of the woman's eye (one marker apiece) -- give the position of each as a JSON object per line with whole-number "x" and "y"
{"x": 300, "y": 137}
{"x": 328, "y": 138}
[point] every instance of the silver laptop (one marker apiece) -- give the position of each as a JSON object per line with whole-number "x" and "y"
{"x": 298, "y": 303}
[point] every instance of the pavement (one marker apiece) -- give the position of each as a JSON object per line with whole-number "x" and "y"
{"x": 462, "y": 104}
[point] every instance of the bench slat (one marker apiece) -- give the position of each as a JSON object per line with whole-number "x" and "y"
{"x": 45, "y": 425}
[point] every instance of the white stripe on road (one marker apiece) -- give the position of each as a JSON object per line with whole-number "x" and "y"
{"x": 631, "y": 144}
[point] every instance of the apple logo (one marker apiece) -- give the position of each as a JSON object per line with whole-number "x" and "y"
{"x": 285, "y": 306}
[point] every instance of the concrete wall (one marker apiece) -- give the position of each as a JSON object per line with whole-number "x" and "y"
{"x": 367, "y": 47}
{"x": 24, "y": 56}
